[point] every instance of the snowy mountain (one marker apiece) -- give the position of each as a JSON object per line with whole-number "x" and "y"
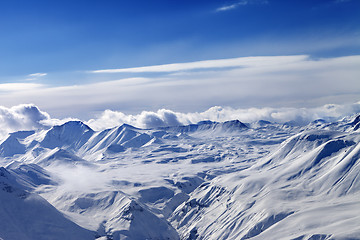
{"x": 26, "y": 215}
{"x": 209, "y": 180}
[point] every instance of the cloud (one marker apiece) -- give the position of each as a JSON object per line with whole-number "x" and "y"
{"x": 35, "y": 76}
{"x": 30, "y": 117}
{"x": 240, "y": 3}
{"x": 25, "y": 117}
{"x": 210, "y": 64}
{"x": 21, "y": 117}
{"x": 145, "y": 119}
{"x": 163, "y": 117}
{"x": 230, "y": 7}
{"x": 270, "y": 81}
{"x": 15, "y": 87}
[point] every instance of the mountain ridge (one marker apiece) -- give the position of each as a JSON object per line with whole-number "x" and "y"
{"x": 210, "y": 180}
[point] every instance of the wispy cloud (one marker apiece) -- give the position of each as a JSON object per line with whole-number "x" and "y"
{"x": 35, "y": 76}
{"x": 276, "y": 81}
{"x": 221, "y": 63}
{"x": 240, "y": 3}
{"x": 16, "y": 87}
{"x": 230, "y": 7}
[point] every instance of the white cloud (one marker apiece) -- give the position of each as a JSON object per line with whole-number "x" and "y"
{"x": 30, "y": 117}
{"x": 21, "y": 117}
{"x": 240, "y": 3}
{"x": 163, "y": 117}
{"x": 15, "y": 87}
{"x": 24, "y": 117}
{"x": 274, "y": 81}
{"x": 208, "y": 64}
{"x": 145, "y": 119}
{"x": 35, "y": 76}
{"x": 228, "y": 7}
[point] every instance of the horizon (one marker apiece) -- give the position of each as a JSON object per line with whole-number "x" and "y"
{"x": 25, "y": 117}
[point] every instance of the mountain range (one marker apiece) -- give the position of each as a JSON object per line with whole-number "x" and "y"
{"x": 210, "y": 180}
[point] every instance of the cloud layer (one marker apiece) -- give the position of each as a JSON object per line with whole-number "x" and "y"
{"x": 208, "y": 64}
{"x": 166, "y": 117}
{"x": 21, "y": 117}
{"x": 30, "y": 117}
{"x": 272, "y": 81}
{"x": 25, "y": 117}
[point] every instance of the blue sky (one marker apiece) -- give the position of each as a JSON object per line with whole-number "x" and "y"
{"x": 52, "y": 44}
{"x": 52, "y": 36}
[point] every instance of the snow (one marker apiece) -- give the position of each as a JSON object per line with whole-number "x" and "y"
{"x": 26, "y": 215}
{"x": 12, "y": 146}
{"x": 209, "y": 180}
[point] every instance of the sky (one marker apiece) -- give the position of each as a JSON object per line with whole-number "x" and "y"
{"x": 79, "y": 58}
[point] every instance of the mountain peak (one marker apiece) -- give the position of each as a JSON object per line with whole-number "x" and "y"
{"x": 128, "y": 126}
{"x": 75, "y": 124}
{"x": 228, "y": 126}
{"x": 235, "y": 124}
{"x": 72, "y": 133}
{"x": 205, "y": 122}
{"x": 356, "y": 120}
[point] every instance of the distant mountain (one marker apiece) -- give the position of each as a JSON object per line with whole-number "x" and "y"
{"x": 216, "y": 127}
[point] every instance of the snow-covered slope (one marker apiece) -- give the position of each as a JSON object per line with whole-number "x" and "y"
{"x": 12, "y": 144}
{"x": 308, "y": 189}
{"x": 208, "y": 180}
{"x": 28, "y": 216}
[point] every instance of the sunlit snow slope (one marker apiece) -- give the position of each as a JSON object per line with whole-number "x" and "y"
{"x": 202, "y": 181}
